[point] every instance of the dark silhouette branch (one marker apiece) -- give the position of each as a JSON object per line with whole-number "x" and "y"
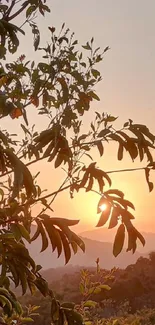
{"x": 125, "y": 170}
{"x": 18, "y": 12}
{"x": 10, "y": 9}
{"x": 108, "y": 172}
{"x": 54, "y": 194}
{"x": 61, "y": 189}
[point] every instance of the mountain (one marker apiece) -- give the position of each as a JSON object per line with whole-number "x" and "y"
{"x": 100, "y": 234}
{"x": 108, "y": 235}
{"x": 94, "y": 249}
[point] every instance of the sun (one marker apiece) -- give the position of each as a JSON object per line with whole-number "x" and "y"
{"x": 103, "y": 207}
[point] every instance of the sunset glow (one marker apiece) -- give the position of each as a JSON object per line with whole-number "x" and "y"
{"x": 103, "y": 207}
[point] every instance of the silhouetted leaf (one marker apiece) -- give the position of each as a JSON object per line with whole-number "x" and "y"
{"x": 102, "y": 201}
{"x": 140, "y": 237}
{"x": 43, "y": 235}
{"x": 104, "y": 216}
{"x": 120, "y": 151}
{"x": 59, "y": 160}
{"x": 147, "y": 175}
{"x": 115, "y": 192}
{"x": 66, "y": 248}
{"x": 74, "y": 247}
{"x": 90, "y": 184}
{"x": 132, "y": 237}
{"x": 119, "y": 240}
{"x": 103, "y": 133}
{"x": 100, "y": 147}
{"x": 106, "y": 176}
{"x": 114, "y": 218}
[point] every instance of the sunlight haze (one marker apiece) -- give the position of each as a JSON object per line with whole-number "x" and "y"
{"x": 127, "y": 90}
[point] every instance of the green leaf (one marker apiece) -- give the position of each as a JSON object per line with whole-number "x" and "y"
{"x": 5, "y": 301}
{"x": 16, "y": 232}
{"x": 87, "y": 46}
{"x": 105, "y": 287}
{"x": 95, "y": 73}
{"x": 55, "y": 311}
{"x": 82, "y": 288}
{"x": 94, "y": 96}
{"x": 36, "y": 41}
{"x": 30, "y": 10}
{"x": 8, "y": 235}
{"x": 22, "y": 175}
{"x": 15, "y": 275}
{"x": 18, "y": 308}
{"x": 46, "y": 8}
{"x": 73, "y": 317}
{"x": 24, "y": 232}
{"x": 90, "y": 303}
{"x": 26, "y": 320}
{"x": 42, "y": 286}
{"x": 111, "y": 118}
{"x": 23, "y": 279}
{"x": 116, "y": 322}
{"x": 96, "y": 290}
{"x": 69, "y": 305}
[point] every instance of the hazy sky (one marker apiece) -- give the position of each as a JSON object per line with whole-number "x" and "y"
{"x": 127, "y": 89}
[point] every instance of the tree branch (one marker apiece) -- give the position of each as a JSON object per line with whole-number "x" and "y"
{"x": 61, "y": 189}
{"x": 10, "y": 9}
{"x": 29, "y": 163}
{"x": 108, "y": 172}
{"x": 125, "y": 170}
{"x": 18, "y": 12}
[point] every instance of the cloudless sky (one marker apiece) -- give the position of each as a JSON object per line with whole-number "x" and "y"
{"x": 127, "y": 89}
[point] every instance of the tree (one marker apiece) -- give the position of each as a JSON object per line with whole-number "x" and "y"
{"x": 61, "y": 87}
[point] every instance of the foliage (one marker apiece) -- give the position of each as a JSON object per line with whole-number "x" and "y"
{"x": 124, "y": 301}
{"x": 27, "y": 316}
{"x": 61, "y": 87}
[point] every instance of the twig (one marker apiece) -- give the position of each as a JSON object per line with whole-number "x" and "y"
{"x": 10, "y": 9}
{"x": 18, "y": 12}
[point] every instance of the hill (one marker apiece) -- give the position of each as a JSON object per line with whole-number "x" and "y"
{"x": 132, "y": 291}
{"x": 94, "y": 249}
{"x": 106, "y": 235}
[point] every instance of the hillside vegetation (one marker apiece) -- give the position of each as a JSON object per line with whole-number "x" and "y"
{"x": 131, "y": 299}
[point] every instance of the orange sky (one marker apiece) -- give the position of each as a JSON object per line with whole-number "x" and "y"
{"x": 127, "y": 90}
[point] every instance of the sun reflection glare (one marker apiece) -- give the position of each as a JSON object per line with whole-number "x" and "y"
{"x": 103, "y": 207}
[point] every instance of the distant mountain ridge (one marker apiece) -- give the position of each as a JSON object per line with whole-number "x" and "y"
{"x": 94, "y": 249}
{"x": 108, "y": 235}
